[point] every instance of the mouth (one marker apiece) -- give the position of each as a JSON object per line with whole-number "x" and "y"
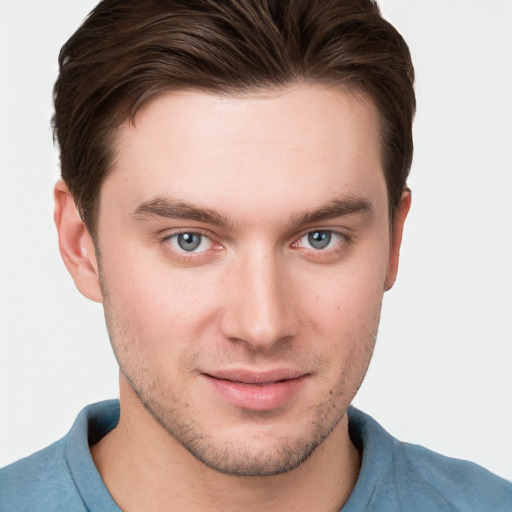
{"x": 257, "y": 391}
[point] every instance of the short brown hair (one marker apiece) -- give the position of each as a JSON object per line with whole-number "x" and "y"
{"x": 129, "y": 51}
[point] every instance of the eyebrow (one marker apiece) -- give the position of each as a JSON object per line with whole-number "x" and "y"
{"x": 340, "y": 207}
{"x": 174, "y": 209}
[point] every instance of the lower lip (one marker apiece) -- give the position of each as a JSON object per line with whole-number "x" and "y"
{"x": 257, "y": 397}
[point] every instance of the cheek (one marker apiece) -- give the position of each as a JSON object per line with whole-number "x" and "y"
{"x": 157, "y": 303}
{"x": 346, "y": 326}
{"x": 348, "y": 297}
{"x": 343, "y": 316}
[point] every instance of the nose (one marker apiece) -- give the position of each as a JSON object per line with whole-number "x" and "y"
{"x": 260, "y": 309}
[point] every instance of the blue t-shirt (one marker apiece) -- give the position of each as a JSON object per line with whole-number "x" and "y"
{"x": 394, "y": 476}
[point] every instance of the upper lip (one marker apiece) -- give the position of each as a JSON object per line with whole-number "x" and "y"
{"x": 245, "y": 376}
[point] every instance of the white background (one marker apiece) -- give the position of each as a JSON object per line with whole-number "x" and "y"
{"x": 442, "y": 371}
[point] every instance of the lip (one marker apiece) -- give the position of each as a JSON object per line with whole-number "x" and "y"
{"x": 257, "y": 391}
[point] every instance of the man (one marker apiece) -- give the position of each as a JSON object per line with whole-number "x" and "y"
{"x": 239, "y": 174}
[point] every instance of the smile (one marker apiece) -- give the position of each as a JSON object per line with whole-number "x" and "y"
{"x": 256, "y": 391}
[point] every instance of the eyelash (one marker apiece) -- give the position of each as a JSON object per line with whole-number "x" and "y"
{"x": 343, "y": 240}
{"x": 329, "y": 254}
{"x": 331, "y": 234}
{"x": 183, "y": 255}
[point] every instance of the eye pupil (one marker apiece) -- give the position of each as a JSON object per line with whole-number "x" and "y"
{"x": 319, "y": 239}
{"x": 189, "y": 241}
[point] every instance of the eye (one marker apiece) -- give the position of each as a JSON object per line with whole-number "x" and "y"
{"x": 190, "y": 242}
{"x": 320, "y": 239}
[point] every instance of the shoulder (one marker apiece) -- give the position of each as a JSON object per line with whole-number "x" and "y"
{"x": 402, "y": 476}
{"x": 62, "y": 477}
{"x": 40, "y": 482}
{"x": 460, "y": 484}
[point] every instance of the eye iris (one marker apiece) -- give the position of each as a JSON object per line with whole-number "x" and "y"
{"x": 319, "y": 239}
{"x": 189, "y": 241}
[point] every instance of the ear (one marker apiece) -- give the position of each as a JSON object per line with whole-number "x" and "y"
{"x": 396, "y": 237}
{"x": 75, "y": 244}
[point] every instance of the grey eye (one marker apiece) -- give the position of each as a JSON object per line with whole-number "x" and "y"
{"x": 319, "y": 239}
{"x": 188, "y": 242}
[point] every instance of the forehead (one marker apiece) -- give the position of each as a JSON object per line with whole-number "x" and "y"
{"x": 248, "y": 152}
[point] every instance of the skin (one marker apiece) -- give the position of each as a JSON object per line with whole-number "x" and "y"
{"x": 253, "y": 175}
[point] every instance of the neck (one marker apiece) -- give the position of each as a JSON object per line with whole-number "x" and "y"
{"x": 144, "y": 468}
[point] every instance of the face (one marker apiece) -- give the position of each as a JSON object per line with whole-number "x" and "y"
{"x": 244, "y": 250}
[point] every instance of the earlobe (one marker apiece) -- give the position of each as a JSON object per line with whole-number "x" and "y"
{"x": 396, "y": 238}
{"x": 76, "y": 245}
